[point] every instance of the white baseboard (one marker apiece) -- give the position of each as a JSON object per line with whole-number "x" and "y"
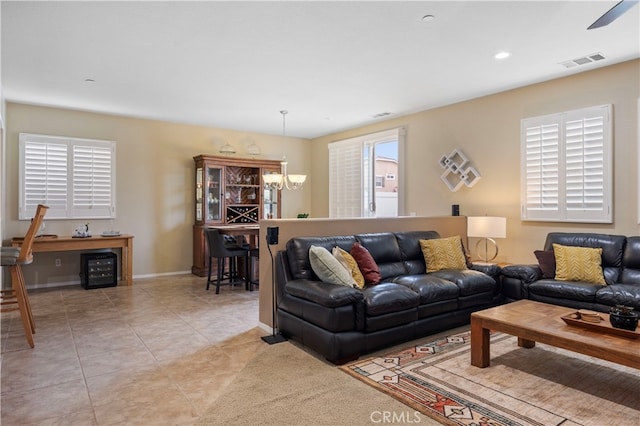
{"x": 265, "y": 327}
{"x": 55, "y": 284}
{"x": 164, "y": 274}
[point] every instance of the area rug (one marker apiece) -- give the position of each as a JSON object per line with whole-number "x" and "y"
{"x": 539, "y": 386}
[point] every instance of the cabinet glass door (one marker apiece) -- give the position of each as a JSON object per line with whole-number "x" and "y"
{"x": 199, "y": 192}
{"x": 242, "y": 194}
{"x": 270, "y": 201}
{"x": 213, "y": 193}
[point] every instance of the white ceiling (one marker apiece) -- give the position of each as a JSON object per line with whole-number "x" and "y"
{"x": 332, "y": 65}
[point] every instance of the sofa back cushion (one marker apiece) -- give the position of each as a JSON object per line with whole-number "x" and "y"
{"x": 631, "y": 262}
{"x": 409, "y": 243}
{"x": 298, "y": 253}
{"x": 612, "y": 249}
{"x": 386, "y": 252}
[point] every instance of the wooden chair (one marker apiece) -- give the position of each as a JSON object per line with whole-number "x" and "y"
{"x": 14, "y": 258}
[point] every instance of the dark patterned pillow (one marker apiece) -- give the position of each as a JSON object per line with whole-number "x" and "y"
{"x": 547, "y": 263}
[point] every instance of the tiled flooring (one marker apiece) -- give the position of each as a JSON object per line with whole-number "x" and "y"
{"x": 158, "y": 352}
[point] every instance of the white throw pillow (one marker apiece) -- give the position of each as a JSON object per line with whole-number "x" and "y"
{"x": 327, "y": 267}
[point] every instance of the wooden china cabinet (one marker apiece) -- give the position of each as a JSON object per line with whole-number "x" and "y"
{"x": 229, "y": 191}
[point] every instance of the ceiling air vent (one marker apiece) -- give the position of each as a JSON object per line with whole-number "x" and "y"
{"x": 380, "y": 115}
{"x": 582, "y": 61}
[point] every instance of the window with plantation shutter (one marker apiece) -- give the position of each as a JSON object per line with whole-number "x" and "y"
{"x": 567, "y": 166}
{"x": 354, "y": 185}
{"x": 74, "y": 177}
{"x": 345, "y": 179}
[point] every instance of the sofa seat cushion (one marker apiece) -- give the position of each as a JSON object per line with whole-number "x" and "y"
{"x": 570, "y": 290}
{"x": 469, "y": 281}
{"x": 392, "y": 319}
{"x": 620, "y": 294}
{"x": 385, "y": 298}
{"x": 429, "y": 288}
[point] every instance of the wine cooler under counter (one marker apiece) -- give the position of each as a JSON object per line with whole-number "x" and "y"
{"x": 98, "y": 270}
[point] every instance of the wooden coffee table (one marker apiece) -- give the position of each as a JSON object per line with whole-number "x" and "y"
{"x": 539, "y": 322}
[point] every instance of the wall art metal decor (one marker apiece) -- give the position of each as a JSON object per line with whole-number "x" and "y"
{"x": 458, "y": 171}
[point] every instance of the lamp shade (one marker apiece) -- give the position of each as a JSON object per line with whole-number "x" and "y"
{"x": 487, "y": 227}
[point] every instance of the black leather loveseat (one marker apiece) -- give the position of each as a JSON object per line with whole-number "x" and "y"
{"x": 342, "y": 323}
{"x": 620, "y": 267}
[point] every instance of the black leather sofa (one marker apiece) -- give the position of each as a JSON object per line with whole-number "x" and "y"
{"x": 620, "y": 264}
{"x": 342, "y": 323}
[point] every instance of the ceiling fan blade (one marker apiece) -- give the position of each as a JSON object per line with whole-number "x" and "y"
{"x": 614, "y": 13}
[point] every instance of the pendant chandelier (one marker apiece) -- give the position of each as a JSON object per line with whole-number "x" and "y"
{"x": 277, "y": 181}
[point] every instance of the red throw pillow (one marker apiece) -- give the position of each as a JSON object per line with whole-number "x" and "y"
{"x": 547, "y": 263}
{"x": 366, "y": 264}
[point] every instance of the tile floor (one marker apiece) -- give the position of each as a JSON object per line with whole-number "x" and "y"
{"x": 158, "y": 352}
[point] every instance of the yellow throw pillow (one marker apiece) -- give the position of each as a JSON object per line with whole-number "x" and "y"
{"x": 579, "y": 264}
{"x": 350, "y": 264}
{"x": 443, "y": 253}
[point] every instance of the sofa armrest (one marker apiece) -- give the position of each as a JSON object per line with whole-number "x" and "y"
{"x": 516, "y": 280}
{"x": 325, "y": 294}
{"x": 490, "y": 269}
{"x": 525, "y": 273}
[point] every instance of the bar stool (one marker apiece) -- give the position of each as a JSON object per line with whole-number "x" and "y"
{"x": 14, "y": 258}
{"x": 226, "y": 253}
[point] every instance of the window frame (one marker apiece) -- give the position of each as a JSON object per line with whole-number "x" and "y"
{"x": 567, "y": 166}
{"x": 350, "y": 198}
{"x": 82, "y": 170}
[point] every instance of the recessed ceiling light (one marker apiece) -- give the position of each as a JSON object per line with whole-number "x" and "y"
{"x": 502, "y": 55}
{"x": 428, "y": 18}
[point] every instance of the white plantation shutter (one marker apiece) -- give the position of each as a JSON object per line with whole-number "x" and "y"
{"x": 566, "y": 166}
{"x": 345, "y": 179}
{"x": 74, "y": 177}
{"x": 45, "y": 180}
{"x": 92, "y": 181}
{"x": 540, "y": 165}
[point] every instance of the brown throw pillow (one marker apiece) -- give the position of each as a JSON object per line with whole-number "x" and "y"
{"x": 366, "y": 264}
{"x": 547, "y": 263}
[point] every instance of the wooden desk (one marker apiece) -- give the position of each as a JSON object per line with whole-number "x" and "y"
{"x": 65, "y": 243}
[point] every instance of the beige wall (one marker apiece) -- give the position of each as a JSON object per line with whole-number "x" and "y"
{"x": 154, "y": 183}
{"x": 447, "y": 226}
{"x": 154, "y": 167}
{"x": 487, "y": 130}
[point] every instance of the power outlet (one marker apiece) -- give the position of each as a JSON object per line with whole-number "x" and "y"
{"x": 58, "y": 262}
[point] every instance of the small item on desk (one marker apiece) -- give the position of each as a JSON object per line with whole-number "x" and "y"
{"x": 111, "y": 234}
{"x": 82, "y": 231}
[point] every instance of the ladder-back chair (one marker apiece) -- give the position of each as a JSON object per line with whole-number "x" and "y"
{"x": 14, "y": 258}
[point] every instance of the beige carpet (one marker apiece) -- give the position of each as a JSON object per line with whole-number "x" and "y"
{"x": 286, "y": 385}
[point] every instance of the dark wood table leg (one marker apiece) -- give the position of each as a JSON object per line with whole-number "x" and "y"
{"x": 480, "y": 344}
{"x": 524, "y": 343}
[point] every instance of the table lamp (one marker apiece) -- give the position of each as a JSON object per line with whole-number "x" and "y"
{"x": 487, "y": 228}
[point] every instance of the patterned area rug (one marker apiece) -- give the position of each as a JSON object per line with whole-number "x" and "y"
{"x": 539, "y": 386}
